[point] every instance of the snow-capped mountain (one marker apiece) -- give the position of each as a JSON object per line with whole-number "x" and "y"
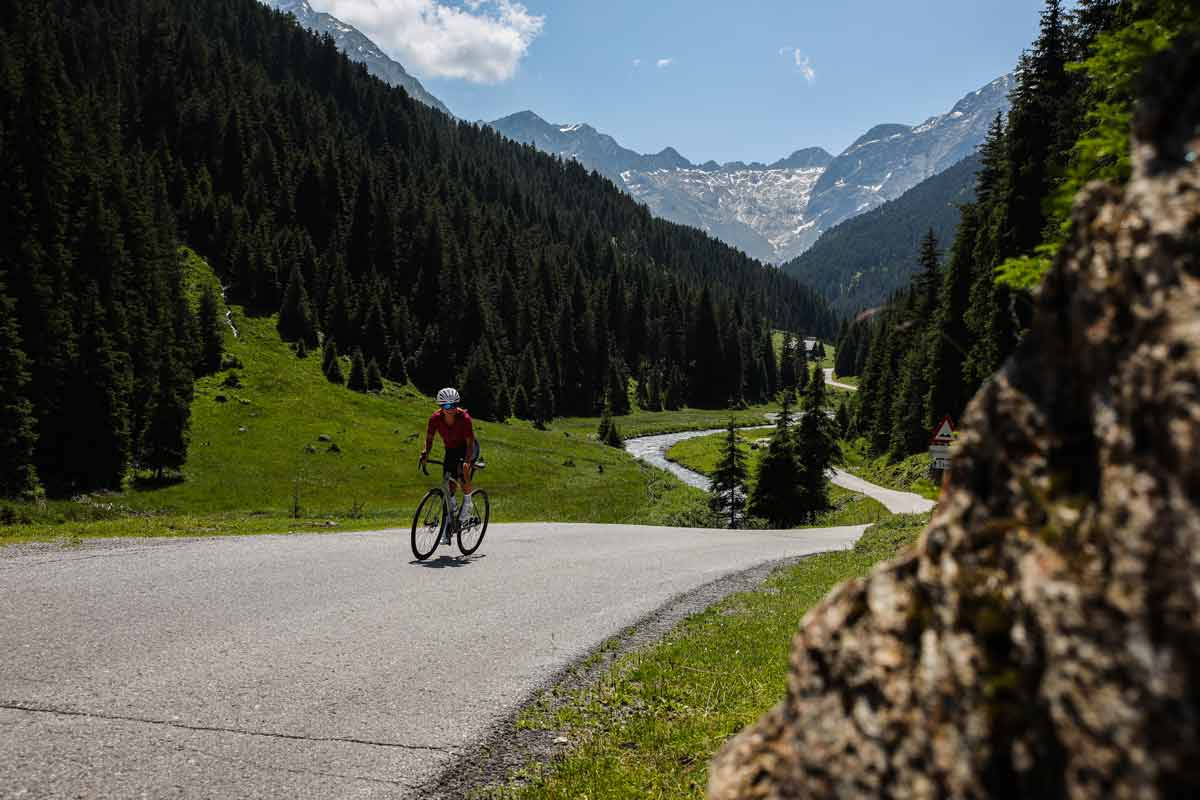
{"x": 888, "y": 160}
{"x": 357, "y": 47}
{"x": 774, "y": 212}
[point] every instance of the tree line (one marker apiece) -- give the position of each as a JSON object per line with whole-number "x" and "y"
{"x": 438, "y": 250}
{"x": 927, "y": 352}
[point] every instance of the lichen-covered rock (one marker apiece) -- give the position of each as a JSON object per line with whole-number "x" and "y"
{"x": 1043, "y": 639}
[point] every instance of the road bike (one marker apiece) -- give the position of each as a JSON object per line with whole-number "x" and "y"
{"x": 433, "y": 516}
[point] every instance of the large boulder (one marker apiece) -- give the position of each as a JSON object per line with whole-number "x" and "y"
{"x": 1043, "y": 639}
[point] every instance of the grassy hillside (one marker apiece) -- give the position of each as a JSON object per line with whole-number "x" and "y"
{"x": 275, "y": 447}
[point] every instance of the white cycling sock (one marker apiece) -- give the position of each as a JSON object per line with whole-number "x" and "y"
{"x": 467, "y": 506}
{"x": 453, "y": 507}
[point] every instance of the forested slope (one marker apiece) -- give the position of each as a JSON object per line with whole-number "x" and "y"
{"x": 863, "y": 261}
{"x": 441, "y": 250}
{"x": 941, "y": 338}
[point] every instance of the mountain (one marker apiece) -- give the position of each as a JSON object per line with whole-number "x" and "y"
{"x": 358, "y": 47}
{"x": 888, "y": 160}
{"x": 865, "y": 259}
{"x": 774, "y": 212}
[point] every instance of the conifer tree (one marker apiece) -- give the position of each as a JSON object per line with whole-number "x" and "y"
{"x": 396, "y": 369}
{"x": 18, "y": 437}
{"x": 357, "y": 382}
{"x": 776, "y": 496}
{"x": 101, "y": 448}
{"x": 374, "y": 377}
{"x": 164, "y": 440}
{"x": 728, "y": 486}
{"x": 607, "y": 431}
{"x": 296, "y": 321}
{"x": 331, "y": 364}
{"x": 521, "y": 406}
{"x": 212, "y": 333}
{"x": 480, "y": 386}
{"x": 787, "y": 363}
{"x": 817, "y": 449}
{"x": 618, "y": 385}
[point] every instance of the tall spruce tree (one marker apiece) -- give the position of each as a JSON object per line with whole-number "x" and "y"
{"x": 728, "y": 485}
{"x": 212, "y": 333}
{"x": 18, "y": 437}
{"x": 357, "y": 382}
{"x": 776, "y": 496}
{"x": 296, "y": 320}
{"x": 817, "y": 450}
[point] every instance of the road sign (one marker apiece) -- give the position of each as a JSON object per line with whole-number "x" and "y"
{"x": 943, "y": 432}
{"x": 939, "y": 444}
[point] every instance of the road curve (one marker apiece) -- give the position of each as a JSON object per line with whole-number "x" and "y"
{"x": 653, "y": 450}
{"x": 314, "y": 666}
{"x": 829, "y": 380}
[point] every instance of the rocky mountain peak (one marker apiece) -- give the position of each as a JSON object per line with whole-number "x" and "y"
{"x": 357, "y": 47}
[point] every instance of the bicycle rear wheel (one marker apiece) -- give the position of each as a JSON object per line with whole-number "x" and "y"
{"x": 428, "y": 522}
{"x": 470, "y": 533}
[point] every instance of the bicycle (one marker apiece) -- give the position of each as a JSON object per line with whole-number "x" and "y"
{"x": 433, "y": 515}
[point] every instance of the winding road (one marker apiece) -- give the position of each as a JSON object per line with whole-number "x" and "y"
{"x": 314, "y": 666}
{"x": 653, "y": 450}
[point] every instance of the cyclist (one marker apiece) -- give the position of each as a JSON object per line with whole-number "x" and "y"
{"x": 453, "y": 424}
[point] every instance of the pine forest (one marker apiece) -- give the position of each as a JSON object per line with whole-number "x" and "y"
{"x": 428, "y": 248}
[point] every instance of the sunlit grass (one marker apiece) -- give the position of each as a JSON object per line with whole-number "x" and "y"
{"x": 650, "y": 726}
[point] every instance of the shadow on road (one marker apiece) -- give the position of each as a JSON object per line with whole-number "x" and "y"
{"x": 441, "y": 562}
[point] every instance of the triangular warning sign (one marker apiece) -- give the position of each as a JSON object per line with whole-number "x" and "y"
{"x": 943, "y": 432}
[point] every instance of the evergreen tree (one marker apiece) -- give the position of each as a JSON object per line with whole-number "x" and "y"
{"x": 843, "y": 419}
{"x": 480, "y": 386}
{"x": 817, "y": 449}
{"x": 606, "y": 431}
{"x": 618, "y": 385}
{"x": 212, "y": 333}
{"x": 101, "y": 448}
{"x": 374, "y": 377}
{"x": 728, "y": 486}
{"x": 331, "y": 364}
{"x": 296, "y": 322}
{"x": 776, "y": 496}
{"x": 165, "y": 438}
{"x": 522, "y": 409}
{"x": 18, "y": 437}
{"x": 787, "y": 363}
{"x": 396, "y": 370}
{"x": 357, "y": 381}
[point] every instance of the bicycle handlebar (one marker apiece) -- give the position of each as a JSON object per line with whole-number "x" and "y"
{"x": 474, "y": 465}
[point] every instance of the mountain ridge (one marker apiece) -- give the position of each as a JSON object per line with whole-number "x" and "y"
{"x": 358, "y": 47}
{"x": 775, "y": 212}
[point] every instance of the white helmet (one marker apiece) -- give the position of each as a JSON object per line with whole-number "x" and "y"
{"x": 448, "y": 395}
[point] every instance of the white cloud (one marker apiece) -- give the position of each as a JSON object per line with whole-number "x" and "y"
{"x": 637, "y": 62}
{"x": 665, "y": 62}
{"x": 482, "y": 42}
{"x": 802, "y": 62}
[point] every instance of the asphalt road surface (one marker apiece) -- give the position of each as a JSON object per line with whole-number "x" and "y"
{"x": 314, "y": 666}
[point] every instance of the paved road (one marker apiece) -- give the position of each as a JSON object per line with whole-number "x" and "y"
{"x": 313, "y": 666}
{"x": 829, "y": 379}
{"x": 653, "y": 450}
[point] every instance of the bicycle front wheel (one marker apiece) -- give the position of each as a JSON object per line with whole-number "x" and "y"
{"x": 470, "y": 533}
{"x": 428, "y": 522}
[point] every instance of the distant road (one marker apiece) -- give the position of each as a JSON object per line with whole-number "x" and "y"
{"x": 653, "y": 450}
{"x": 829, "y": 379}
{"x": 314, "y": 666}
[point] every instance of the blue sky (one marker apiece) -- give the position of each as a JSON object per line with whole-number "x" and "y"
{"x": 749, "y": 81}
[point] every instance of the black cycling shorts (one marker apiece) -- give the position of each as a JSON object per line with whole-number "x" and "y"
{"x": 452, "y": 461}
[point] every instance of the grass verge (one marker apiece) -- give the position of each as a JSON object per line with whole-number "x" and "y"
{"x": 651, "y": 724}
{"x": 908, "y": 475}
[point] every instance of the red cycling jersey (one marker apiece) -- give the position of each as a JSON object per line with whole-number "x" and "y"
{"x": 452, "y": 435}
